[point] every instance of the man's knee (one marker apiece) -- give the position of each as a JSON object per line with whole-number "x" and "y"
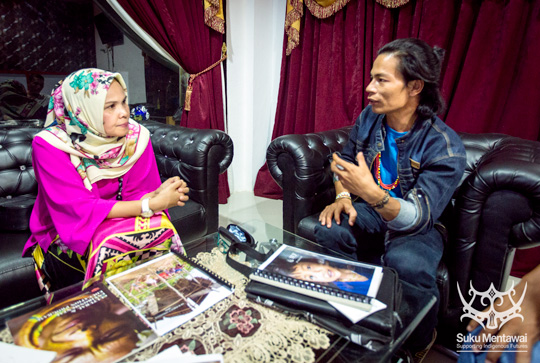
{"x": 323, "y": 231}
{"x": 414, "y": 262}
{"x": 337, "y": 237}
{"x": 411, "y": 268}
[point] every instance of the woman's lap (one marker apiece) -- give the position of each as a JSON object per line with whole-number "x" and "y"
{"x": 117, "y": 245}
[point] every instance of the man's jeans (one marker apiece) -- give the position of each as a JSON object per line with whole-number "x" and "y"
{"x": 415, "y": 258}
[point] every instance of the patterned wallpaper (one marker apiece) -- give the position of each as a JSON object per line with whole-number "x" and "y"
{"x": 54, "y": 36}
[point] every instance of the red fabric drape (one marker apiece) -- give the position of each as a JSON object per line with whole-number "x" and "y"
{"x": 490, "y": 74}
{"x": 178, "y": 26}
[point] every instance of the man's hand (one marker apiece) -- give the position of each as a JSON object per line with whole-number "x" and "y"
{"x": 357, "y": 179}
{"x": 530, "y": 326}
{"x": 334, "y": 210}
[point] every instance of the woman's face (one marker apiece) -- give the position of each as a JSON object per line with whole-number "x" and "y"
{"x": 387, "y": 92}
{"x": 116, "y": 112}
{"x": 310, "y": 271}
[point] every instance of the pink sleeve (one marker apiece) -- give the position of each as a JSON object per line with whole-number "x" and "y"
{"x": 143, "y": 177}
{"x": 75, "y": 211}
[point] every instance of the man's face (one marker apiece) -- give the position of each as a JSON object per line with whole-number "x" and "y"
{"x": 387, "y": 92}
{"x": 35, "y": 85}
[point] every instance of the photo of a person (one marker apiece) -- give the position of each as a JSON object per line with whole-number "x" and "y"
{"x": 35, "y": 83}
{"x": 323, "y": 273}
{"x": 15, "y": 104}
{"x": 322, "y": 270}
{"x": 91, "y": 327}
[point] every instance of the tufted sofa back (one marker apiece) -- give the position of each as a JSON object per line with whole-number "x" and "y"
{"x": 198, "y": 157}
{"x": 17, "y": 181}
{"x": 299, "y": 164}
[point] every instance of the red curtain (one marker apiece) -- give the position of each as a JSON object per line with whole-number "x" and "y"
{"x": 178, "y": 26}
{"x": 490, "y": 74}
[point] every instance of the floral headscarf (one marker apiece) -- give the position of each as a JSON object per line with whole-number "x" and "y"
{"x": 74, "y": 125}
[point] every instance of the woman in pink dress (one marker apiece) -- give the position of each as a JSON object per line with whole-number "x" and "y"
{"x": 101, "y": 205}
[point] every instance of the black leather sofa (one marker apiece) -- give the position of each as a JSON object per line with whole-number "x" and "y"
{"x": 495, "y": 209}
{"x": 197, "y": 156}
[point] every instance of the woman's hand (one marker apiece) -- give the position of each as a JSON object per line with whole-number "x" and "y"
{"x": 161, "y": 187}
{"x": 172, "y": 192}
{"x": 334, "y": 210}
{"x": 165, "y": 184}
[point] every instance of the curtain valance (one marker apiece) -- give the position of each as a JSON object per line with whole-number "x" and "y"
{"x": 325, "y": 8}
{"x": 213, "y": 15}
{"x": 392, "y": 3}
{"x": 320, "y": 9}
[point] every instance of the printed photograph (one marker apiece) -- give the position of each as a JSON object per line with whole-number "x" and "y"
{"x": 167, "y": 291}
{"x": 324, "y": 270}
{"x": 93, "y": 326}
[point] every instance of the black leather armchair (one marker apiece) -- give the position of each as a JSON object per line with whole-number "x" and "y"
{"x": 495, "y": 209}
{"x": 197, "y": 156}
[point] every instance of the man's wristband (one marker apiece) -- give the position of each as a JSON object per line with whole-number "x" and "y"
{"x": 343, "y": 195}
{"x": 381, "y": 203}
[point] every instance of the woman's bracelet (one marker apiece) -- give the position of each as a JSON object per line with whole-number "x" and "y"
{"x": 343, "y": 195}
{"x": 381, "y": 203}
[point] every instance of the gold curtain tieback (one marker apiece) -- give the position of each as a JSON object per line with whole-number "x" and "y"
{"x": 187, "y": 102}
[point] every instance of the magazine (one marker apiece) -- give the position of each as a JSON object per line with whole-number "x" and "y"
{"x": 324, "y": 277}
{"x": 170, "y": 290}
{"x": 93, "y": 325}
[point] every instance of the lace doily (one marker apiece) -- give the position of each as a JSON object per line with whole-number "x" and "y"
{"x": 5, "y": 336}
{"x": 241, "y": 330}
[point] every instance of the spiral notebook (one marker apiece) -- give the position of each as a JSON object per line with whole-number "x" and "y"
{"x": 320, "y": 276}
{"x": 170, "y": 290}
{"x": 382, "y": 321}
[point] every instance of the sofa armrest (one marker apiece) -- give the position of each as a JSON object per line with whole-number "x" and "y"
{"x": 299, "y": 164}
{"x": 197, "y": 156}
{"x": 511, "y": 164}
{"x": 496, "y": 210}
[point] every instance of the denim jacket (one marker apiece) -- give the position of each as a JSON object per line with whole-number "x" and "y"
{"x": 431, "y": 162}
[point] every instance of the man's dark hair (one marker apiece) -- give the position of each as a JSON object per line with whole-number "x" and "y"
{"x": 418, "y": 60}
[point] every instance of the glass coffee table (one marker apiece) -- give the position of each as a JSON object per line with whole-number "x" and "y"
{"x": 243, "y": 330}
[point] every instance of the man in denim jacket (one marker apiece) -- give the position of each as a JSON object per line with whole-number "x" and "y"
{"x": 404, "y": 164}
